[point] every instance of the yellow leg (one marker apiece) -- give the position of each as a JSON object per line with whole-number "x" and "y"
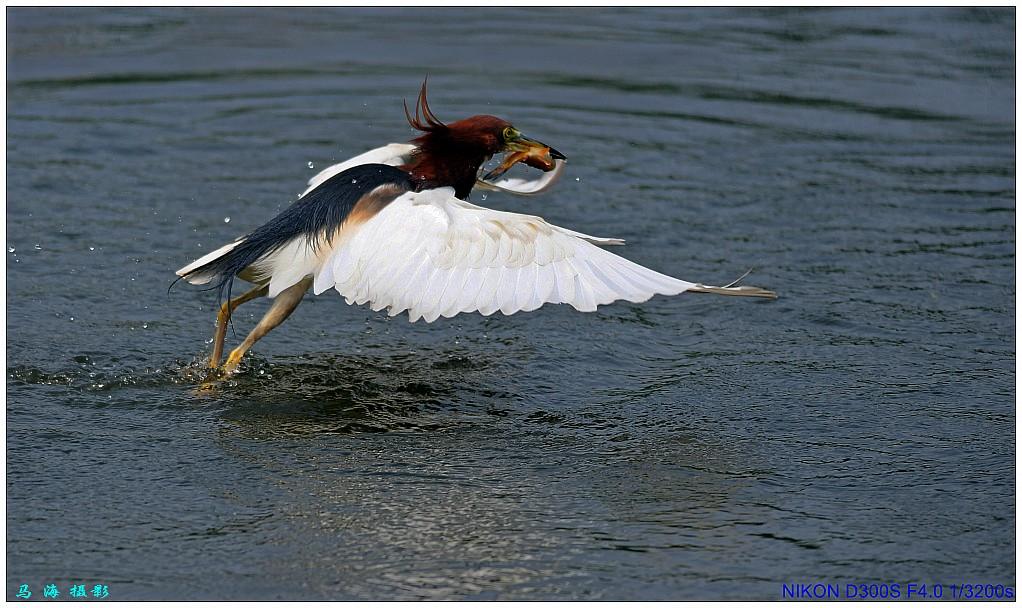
{"x": 222, "y": 317}
{"x": 283, "y": 305}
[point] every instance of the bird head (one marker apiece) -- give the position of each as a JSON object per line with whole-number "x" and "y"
{"x": 474, "y": 140}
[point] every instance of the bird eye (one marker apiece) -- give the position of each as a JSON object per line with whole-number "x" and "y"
{"x": 510, "y": 133}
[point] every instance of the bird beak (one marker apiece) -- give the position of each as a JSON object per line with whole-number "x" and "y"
{"x": 536, "y": 153}
{"x": 529, "y": 151}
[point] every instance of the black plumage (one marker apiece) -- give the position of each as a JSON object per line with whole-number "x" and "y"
{"x": 315, "y": 216}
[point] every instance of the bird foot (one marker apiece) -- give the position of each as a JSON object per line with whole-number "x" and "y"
{"x": 230, "y": 366}
{"x": 208, "y": 381}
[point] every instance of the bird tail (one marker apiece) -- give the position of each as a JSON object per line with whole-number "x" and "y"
{"x": 734, "y": 289}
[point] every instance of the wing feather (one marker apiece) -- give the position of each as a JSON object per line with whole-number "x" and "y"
{"x": 434, "y": 255}
{"x": 565, "y": 282}
{"x": 469, "y": 292}
{"x": 525, "y": 289}
{"x": 391, "y": 154}
{"x": 486, "y": 300}
{"x": 203, "y": 278}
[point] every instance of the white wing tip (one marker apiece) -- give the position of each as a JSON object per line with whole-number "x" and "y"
{"x": 201, "y": 279}
{"x": 741, "y": 290}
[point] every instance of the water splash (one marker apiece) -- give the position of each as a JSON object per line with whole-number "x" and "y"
{"x": 93, "y": 374}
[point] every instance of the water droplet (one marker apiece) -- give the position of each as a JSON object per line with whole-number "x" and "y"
{"x": 227, "y": 220}
{"x": 10, "y": 250}
{"x": 145, "y": 326}
{"x": 354, "y": 181}
{"x": 92, "y": 248}
{"x": 311, "y": 166}
{"x": 578, "y": 179}
{"x": 72, "y": 318}
{"x": 38, "y": 246}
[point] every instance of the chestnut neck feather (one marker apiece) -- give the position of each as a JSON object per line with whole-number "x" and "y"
{"x": 440, "y": 162}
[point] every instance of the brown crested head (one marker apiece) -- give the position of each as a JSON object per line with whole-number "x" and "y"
{"x": 449, "y": 155}
{"x": 484, "y": 133}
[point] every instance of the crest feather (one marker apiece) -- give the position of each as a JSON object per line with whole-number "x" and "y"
{"x": 425, "y": 120}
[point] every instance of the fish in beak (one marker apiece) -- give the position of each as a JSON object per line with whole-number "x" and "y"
{"x": 533, "y": 153}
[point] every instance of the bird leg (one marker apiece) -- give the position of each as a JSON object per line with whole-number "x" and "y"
{"x": 283, "y": 305}
{"x": 224, "y": 315}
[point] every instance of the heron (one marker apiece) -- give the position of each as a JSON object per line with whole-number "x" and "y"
{"x": 393, "y": 228}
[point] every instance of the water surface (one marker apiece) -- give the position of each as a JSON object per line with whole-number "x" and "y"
{"x": 858, "y": 429}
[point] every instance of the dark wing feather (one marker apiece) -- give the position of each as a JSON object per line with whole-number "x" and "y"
{"x": 315, "y": 216}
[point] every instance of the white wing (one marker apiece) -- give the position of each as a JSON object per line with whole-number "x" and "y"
{"x": 391, "y": 154}
{"x": 435, "y": 255}
{"x": 202, "y": 279}
{"x": 399, "y": 154}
